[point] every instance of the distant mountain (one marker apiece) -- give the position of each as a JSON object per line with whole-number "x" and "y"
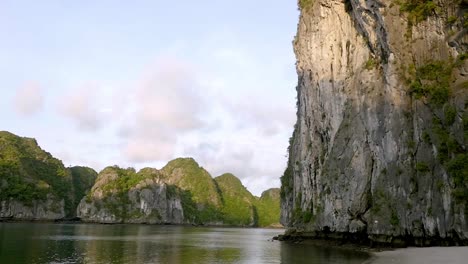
{"x": 36, "y": 186}
{"x": 181, "y": 192}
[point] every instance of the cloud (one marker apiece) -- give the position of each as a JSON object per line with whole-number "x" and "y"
{"x": 143, "y": 149}
{"x": 172, "y": 113}
{"x": 257, "y": 160}
{"x": 169, "y": 96}
{"x": 224, "y": 113}
{"x": 29, "y": 99}
{"x": 81, "y": 106}
{"x": 252, "y": 119}
{"x": 264, "y": 103}
{"x": 166, "y": 103}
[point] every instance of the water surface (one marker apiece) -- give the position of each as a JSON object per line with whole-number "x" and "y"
{"x": 94, "y": 243}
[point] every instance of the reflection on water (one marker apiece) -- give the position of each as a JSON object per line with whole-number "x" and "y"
{"x": 89, "y": 243}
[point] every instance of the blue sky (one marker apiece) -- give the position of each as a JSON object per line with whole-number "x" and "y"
{"x": 138, "y": 83}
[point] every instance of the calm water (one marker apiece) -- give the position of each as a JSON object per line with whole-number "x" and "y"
{"x": 88, "y": 243}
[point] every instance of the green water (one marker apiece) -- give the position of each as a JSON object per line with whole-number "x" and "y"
{"x": 89, "y": 243}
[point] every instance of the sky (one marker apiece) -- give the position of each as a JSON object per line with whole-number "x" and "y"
{"x": 139, "y": 83}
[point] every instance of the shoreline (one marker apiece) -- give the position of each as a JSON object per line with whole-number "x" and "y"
{"x": 365, "y": 240}
{"x": 78, "y": 221}
{"x": 338, "y": 245}
{"x": 391, "y": 255}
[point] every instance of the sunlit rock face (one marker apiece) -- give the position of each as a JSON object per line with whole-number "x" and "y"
{"x": 379, "y": 148}
{"x": 124, "y": 196}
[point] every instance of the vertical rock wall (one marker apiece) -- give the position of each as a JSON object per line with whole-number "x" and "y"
{"x": 379, "y": 147}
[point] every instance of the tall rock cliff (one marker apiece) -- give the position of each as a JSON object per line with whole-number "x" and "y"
{"x": 379, "y": 149}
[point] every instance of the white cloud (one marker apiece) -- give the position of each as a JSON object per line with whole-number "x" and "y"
{"x": 166, "y": 104}
{"x": 254, "y": 118}
{"x": 222, "y": 112}
{"x": 258, "y": 160}
{"x": 81, "y": 106}
{"x": 180, "y": 110}
{"x": 29, "y": 99}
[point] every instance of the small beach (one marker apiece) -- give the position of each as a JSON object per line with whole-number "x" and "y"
{"x": 430, "y": 255}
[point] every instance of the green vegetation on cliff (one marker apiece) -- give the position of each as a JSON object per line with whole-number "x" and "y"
{"x": 201, "y": 198}
{"x": 28, "y": 173}
{"x": 204, "y": 200}
{"x": 83, "y": 179}
{"x": 434, "y": 83}
{"x": 305, "y": 4}
{"x": 268, "y": 207}
{"x": 126, "y": 179}
{"x": 238, "y": 203}
{"x": 418, "y": 10}
{"x": 187, "y": 174}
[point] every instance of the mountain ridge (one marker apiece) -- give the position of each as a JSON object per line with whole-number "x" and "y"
{"x": 36, "y": 186}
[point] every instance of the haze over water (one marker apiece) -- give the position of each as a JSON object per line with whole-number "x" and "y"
{"x": 90, "y": 243}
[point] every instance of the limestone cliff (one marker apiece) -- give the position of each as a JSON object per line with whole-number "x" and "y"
{"x": 33, "y": 184}
{"x": 124, "y": 196}
{"x": 36, "y": 186}
{"x": 181, "y": 192}
{"x": 379, "y": 149}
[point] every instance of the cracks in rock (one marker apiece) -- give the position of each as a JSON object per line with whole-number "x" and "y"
{"x": 370, "y": 198}
{"x": 360, "y": 13}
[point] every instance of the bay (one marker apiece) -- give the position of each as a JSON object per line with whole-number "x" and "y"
{"x": 95, "y": 243}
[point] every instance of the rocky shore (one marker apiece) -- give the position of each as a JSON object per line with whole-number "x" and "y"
{"x": 364, "y": 241}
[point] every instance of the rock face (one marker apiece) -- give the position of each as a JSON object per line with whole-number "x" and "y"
{"x": 48, "y": 209}
{"x": 122, "y": 195}
{"x": 379, "y": 149}
{"x": 180, "y": 193}
{"x": 33, "y": 184}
